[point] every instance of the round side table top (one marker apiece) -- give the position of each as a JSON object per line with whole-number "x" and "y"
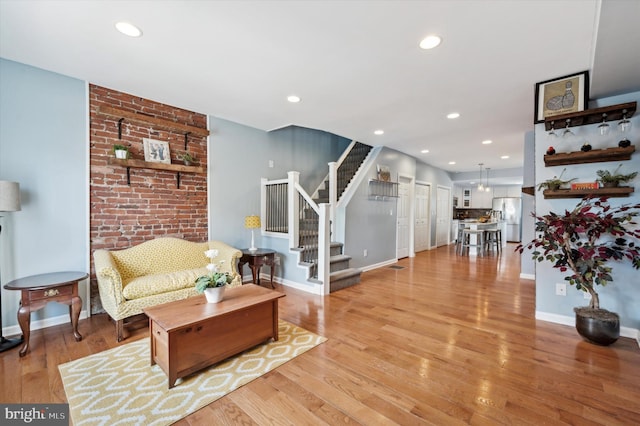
{"x": 258, "y": 252}
{"x": 52, "y": 279}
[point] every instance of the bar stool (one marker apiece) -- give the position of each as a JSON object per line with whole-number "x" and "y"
{"x": 493, "y": 237}
{"x": 467, "y": 240}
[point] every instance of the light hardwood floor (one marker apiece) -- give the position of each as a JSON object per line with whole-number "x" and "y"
{"x": 446, "y": 340}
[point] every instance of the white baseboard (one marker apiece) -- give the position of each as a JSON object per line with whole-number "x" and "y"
{"x": 571, "y": 321}
{"x": 14, "y": 330}
{"x": 378, "y": 265}
{"x": 308, "y": 288}
{"x": 527, "y": 276}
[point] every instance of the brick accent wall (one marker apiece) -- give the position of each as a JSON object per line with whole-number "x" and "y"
{"x": 152, "y": 206}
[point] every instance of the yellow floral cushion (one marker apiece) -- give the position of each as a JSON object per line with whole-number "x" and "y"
{"x": 150, "y": 285}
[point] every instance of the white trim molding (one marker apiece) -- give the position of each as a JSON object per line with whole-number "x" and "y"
{"x": 571, "y": 321}
{"x": 15, "y": 330}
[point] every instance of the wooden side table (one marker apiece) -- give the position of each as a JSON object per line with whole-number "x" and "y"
{"x": 38, "y": 290}
{"x": 256, "y": 259}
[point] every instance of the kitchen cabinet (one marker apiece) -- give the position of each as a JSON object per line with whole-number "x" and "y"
{"x": 454, "y": 230}
{"x": 500, "y": 192}
{"x": 514, "y": 191}
{"x": 481, "y": 199}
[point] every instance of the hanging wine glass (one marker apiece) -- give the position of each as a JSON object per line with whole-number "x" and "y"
{"x": 567, "y": 131}
{"x": 603, "y": 129}
{"x": 552, "y": 133}
{"x": 625, "y": 124}
{"x": 625, "y": 128}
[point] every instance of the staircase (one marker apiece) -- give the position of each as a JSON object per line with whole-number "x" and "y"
{"x": 341, "y": 275}
{"x": 346, "y": 171}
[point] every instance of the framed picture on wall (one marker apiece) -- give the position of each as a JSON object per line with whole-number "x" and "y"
{"x": 561, "y": 96}
{"x": 156, "y": 151}
{"x": 384, "y": 173}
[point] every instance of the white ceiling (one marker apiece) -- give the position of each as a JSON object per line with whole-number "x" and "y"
{"x": 355, "y": 64}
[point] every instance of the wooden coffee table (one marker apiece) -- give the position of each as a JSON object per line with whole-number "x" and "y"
{"x": 191, "y": 334}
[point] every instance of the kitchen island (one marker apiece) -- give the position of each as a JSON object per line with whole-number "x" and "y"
{"x": 475, "y": 224}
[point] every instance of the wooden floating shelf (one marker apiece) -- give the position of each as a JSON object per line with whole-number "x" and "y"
{"x": 624, "y": 191}
{"x": 591, "y": 116}
{"x": 148, "y": 119}
{"x": 593, "y": 156}
{"x": 529, "y": 190}
{"x": 141, "y": 164}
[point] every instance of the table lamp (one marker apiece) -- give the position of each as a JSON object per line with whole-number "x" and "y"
{"x": 252, "y": 222}
{"x": 9, "y": 202}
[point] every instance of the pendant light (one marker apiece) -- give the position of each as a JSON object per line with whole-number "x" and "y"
{"x": 480, "y": 186}
{"x": 487, "y": 188}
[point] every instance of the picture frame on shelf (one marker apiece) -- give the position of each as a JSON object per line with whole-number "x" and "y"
{"x": 384, "y": 173}
{"x": 156, "y": 151}
{"x": 561, "y": 95}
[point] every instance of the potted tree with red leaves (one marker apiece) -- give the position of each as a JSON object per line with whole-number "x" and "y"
{"x": 585, "y": 242}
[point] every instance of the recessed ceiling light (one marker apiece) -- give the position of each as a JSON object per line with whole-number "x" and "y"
{"x": 424, "y": 151}
{"x": 487, "y": 142}
{"x": 430, "y": 42}
{"x": 293, "y": 99}
{"x": 379, "y": 132}
{"x": 504, "y": 157}
{"x": 128, "y": 29}
{"x": 452, "y": 162}
{"x": 453, "y": 115}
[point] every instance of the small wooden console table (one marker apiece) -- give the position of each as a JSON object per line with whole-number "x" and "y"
{"x": 38, "y": 290}
{"x": 256, "y": 259}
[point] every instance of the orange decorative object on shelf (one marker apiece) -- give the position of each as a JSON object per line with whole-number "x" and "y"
{"x": 584, "y": 185}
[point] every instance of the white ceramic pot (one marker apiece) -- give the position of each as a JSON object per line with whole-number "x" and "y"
{"x": 121, "y": 153}
{"x": 215, "y": 294}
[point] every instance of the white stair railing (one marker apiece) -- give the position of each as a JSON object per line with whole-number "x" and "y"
{"x": 293, "y": 194}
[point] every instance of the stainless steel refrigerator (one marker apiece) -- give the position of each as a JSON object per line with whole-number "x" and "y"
{"x": 511, "y": 208}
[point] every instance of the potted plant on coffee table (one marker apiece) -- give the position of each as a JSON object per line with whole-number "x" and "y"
{"x": 214, "y": 283}
{"x": 584, "y": 242}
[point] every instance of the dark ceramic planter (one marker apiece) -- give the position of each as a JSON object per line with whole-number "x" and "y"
{"x": 601, "y": 329}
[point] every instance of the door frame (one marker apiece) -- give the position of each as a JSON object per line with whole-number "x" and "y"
{"x": 410, "y": 181}
{"x": 449, "y": 215}
{"x": 429, "y": 215}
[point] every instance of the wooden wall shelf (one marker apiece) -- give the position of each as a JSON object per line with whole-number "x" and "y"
{"x": 591, "y": 116}
{"x": 581, "y": 193}
{"x": 141, "y": 164}
{"x": 593, "y": 156}
{"x": 147, "y": 119}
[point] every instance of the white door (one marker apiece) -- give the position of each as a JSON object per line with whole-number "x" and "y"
{"x": 402, "y": 229}
{"x": 443, "y": 215}
{"x": 421, "y": 221}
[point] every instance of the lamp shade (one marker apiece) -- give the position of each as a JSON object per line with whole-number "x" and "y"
{"x": 251, "y": 222}
{"x": 9, "y": 196}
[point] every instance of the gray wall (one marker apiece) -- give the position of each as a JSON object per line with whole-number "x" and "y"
{"x": 43, "y": 146}
{"x": 371, "y": 224}
{"x": 623, "y": 295}
{"x": 239, "y": 157}
{"x": 527, "y": 265}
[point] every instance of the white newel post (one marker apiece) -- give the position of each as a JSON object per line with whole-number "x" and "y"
{"x": 324, "y": 247}
{"x": 333, "y": 194}
{"x": 263, "y": 203}
{"x": 294, "y": 208}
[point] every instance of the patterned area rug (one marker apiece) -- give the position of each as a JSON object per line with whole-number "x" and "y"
{"x": 120, "y": 387}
